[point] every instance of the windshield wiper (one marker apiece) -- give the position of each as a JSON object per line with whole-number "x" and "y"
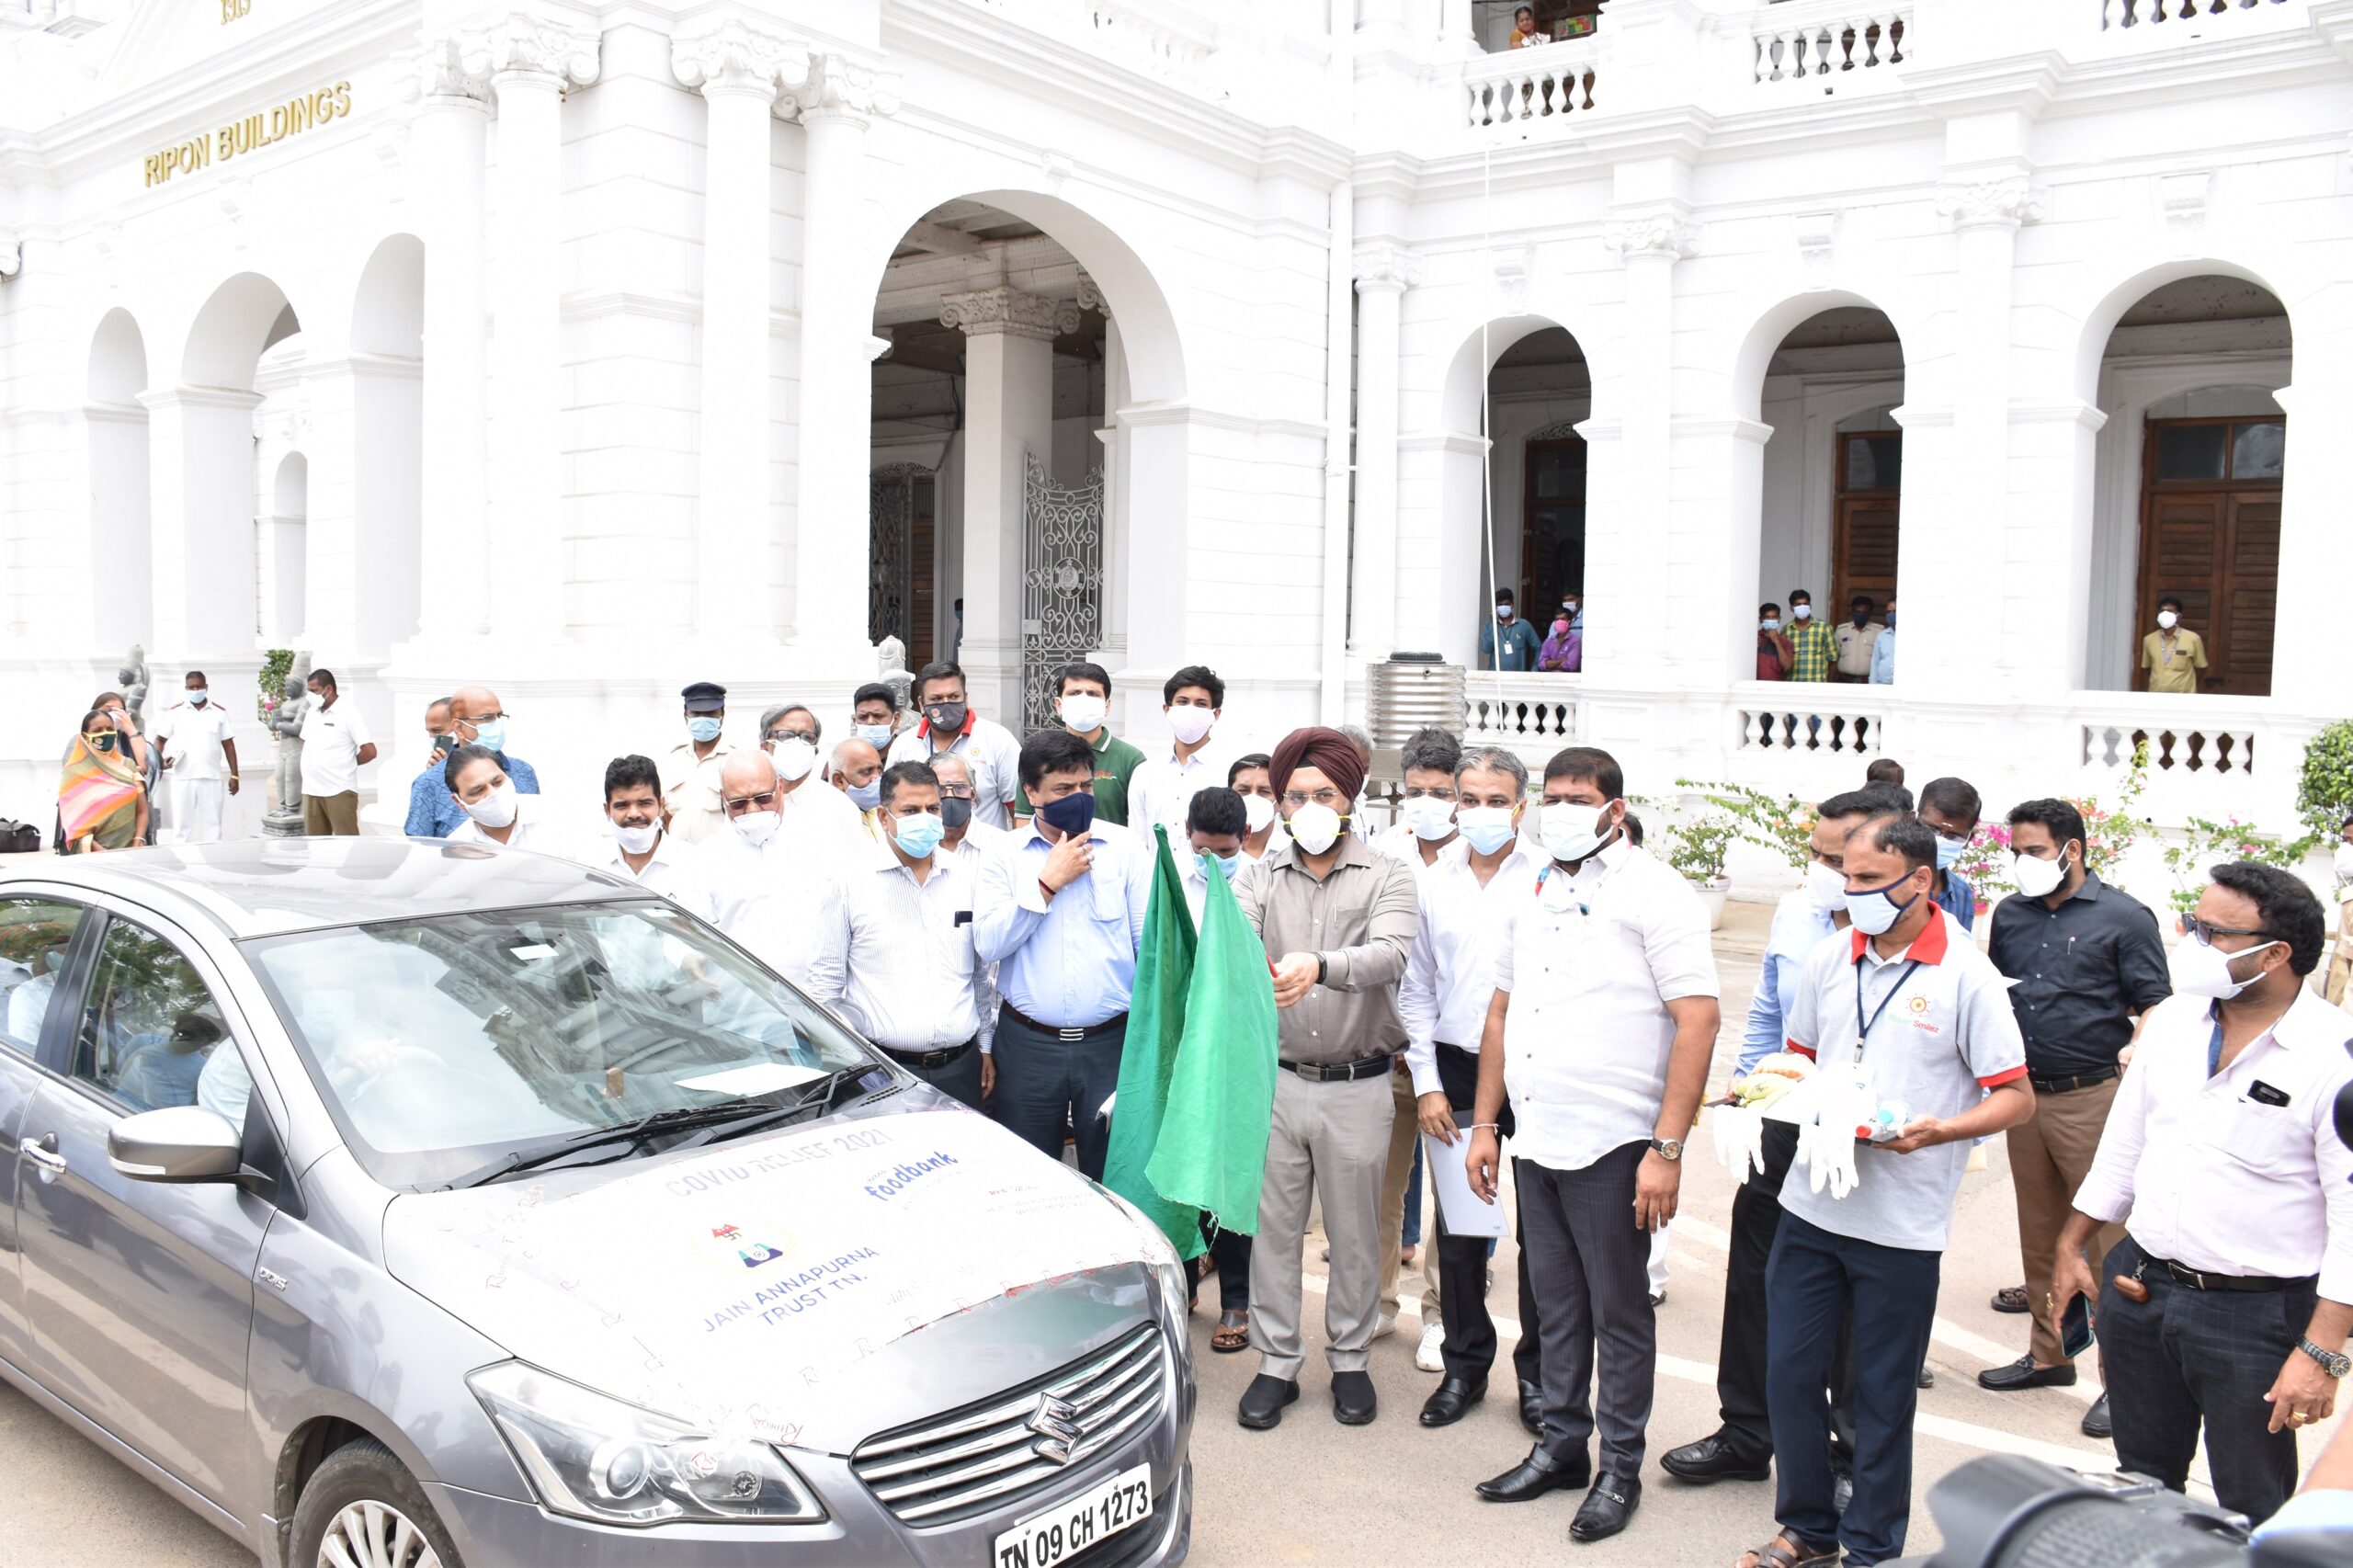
{"x": 820, "y": 1095}
{"x": 676, "y": 1119}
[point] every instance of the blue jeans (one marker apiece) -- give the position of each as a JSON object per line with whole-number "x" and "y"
{"x": 1815, "y": 1283}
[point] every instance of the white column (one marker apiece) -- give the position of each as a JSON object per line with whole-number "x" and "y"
{"x": 200, "y": 456}
{"x": 1383, "y": 273}
{"x": 447, "y": 146}
{"x": 838, "y": 104}
{"x": 528, "y": 60}
{"x": 1009, "y": 414}
{"x": 1624, "y": 550}
{"x": 737, "y": 67}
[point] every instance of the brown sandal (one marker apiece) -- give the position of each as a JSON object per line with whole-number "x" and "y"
{"x": 1231, "y": 1334}
{"x": 1785, "y": 1551}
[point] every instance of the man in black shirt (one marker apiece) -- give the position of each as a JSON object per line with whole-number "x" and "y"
{"x": 2084, "y": 961}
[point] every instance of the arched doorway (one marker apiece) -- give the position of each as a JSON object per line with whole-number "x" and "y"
{"x": 2191, "y": 467}
{"x": 115, "y": 432}
{"x": 284, "y": 530}
{"x": 1004, "y": 490}
{"x": 385, "y": 405}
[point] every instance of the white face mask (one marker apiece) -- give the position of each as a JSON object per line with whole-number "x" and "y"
{"x": 2167, "y": 619}
{"x": 637, "y": 840}
{"x": 876, "y": 735}
{"x": 1315, "y": 827}
{"x": 1257, "y": 811}
{"x": 1430, "y": 818}
{"x": 1488, "y": 828}
{"x": 497, "y": 809}
{"x": 1572, "y": 832}
{"x": 1826, "y": 886}
{"x": 1084, "y": 713}
{"x": 1801, "y": 612}
{"x": 1769, "y": 625}
{"x": 1875, "y": 912}
{"x": 2037, "y": 878}
{"x": 756, "y": 828}
{"x": 1503, "y": 612}
{"x": 793, "y": 757}
{"x": 1189, "y": 723}
{"x": 2200, "y": 971}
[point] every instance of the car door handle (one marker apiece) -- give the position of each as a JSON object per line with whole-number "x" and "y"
{"x": 43, "y": 1152}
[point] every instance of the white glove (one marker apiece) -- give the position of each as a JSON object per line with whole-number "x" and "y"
{"x": 1845, "y": 1106}
{"x": 1740, "y": 1139}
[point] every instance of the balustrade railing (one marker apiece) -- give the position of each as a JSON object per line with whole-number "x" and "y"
{"x": 1814, "y": 43}
{"x": 1811, "y": 716}
{"x": 1533, "y": 713}
{"x": 2118, "y": 14}
{"x": 1546, "y": 81}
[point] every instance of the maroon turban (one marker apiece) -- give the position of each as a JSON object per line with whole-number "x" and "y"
{"x": 1328, "y": 752}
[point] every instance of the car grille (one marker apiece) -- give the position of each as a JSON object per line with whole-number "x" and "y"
{"x": 1001, "y": 1451}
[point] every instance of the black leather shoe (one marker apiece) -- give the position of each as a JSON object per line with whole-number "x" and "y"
{"x": 1531, "y": 1408}
{"x": 1454, "y": 1396}
{"x": 1842, "y": 1492}
{"x": 1353, "y": 1401}
{"x": 2023, "y": 1373}
{"x": 1607, "y": 1508}
{"x": 1532, "y": 1477}
{"x": 2096, "y": 1421}
{"x": 1927, "y": 1376}
{"x": 1263, "y": 1402}
{"x": 1713, "y": 1458}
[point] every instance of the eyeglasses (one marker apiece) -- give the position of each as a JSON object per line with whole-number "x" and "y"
{"x": 1414, "y": 793}
{"x": 740, "y": 804}
{"x": 479, "y": 719}
{"x": 956, "y": 791}
{"x": 2204, "y": 932}
{"x": 776, "y": 737}
{"x": 1953, "y": 835}
{"x": 1326, "y": 797}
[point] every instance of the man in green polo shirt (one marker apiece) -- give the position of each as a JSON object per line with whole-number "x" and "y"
{"x": 1084, "y": 699}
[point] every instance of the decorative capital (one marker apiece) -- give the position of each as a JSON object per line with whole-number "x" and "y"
{"x": 736, "y": 57}
{"x": 2004, "y": 201}
{"x": 1668, "y": 235}
{"x": 440, "y": 73}
{"x": 1090, "y": 295}
{"x": 838, "y": 87}
{"x": 1005, "y": 309}
{"x": 1386, "y": 266}
{"x": 524, "y": 45}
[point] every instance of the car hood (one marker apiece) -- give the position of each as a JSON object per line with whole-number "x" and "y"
{"x": 767, "y": 1285}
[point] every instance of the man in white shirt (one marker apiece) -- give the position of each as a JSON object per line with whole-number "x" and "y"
{"x": 894, "y": 946}
{"x": 640, "y": 846}
{"x": 1602, "y": 1023}
{"x": 1425, "y": 824}
{"x": 497, "y": 814}
{"x": 1468, "y": 896}
{"x": 336, "y": 746}
{"x": 987, "y": 746}
{"x": 764, "y": 881}
{"x": 199, "y": 759}
{"x": 815, "y": 817}
{"x": 1162, "y": 785}
{"x": 2228, "y": 1302}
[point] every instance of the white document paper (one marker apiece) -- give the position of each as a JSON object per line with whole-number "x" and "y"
{"x": 1464, "y": 1213}
{"x": 759, "y": 1078}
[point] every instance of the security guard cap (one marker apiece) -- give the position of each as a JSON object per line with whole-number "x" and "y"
{"x": 705, "y": 696}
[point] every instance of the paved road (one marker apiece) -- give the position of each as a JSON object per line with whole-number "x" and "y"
{"x": 1315, "y": 1492}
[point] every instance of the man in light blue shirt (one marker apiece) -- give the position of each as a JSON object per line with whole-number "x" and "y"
{"x": 473, "y": 717}
{"x": 428, "y": 794}
{"x": 1059, "y": 910}
{"x": 1884, "y": 651}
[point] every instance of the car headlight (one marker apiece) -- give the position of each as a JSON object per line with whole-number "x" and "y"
{"x": 1167, "y": 1269}
{"x": 595, "y": 1458}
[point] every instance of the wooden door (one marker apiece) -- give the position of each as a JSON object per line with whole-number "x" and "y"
{"x": 1552, "y": 532}
{"x": 2209, "y": 536}
{"x": 1864, "y": 527}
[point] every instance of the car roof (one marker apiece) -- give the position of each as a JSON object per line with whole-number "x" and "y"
{"x": 266, "y": 887}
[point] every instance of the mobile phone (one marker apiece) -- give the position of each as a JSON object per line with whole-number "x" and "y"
{"x": 2075, "y": 1328}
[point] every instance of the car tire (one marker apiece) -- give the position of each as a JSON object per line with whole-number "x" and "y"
{"x": 365, "y": 1501}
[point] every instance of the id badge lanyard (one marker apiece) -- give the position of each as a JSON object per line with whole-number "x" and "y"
{"x": 1856, "y": 1077}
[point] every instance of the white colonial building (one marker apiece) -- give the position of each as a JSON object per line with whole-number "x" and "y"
{"x": 592, "y": 348}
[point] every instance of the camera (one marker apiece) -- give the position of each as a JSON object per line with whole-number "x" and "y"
{"x": 2008, "y": 1512}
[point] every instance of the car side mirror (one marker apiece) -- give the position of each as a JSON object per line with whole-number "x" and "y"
{"x": 176, "y": 1144}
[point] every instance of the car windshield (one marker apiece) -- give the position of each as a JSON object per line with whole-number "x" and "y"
{"x": 446, "y": 1045}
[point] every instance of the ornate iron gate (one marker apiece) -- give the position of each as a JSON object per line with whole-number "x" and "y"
{"x": 1062, "y": 583}
{"x": 890, "y": 553}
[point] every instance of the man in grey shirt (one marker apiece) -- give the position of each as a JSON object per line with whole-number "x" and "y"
{"x": 1338, "y": 921}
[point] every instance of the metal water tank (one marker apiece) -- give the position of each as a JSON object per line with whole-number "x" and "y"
{"x": 1410, "y": 691}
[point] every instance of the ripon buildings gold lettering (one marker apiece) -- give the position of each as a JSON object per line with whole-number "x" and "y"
{"x": 251, "y": 133}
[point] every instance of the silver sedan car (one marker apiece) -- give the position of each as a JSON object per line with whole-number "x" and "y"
{"x": 401, "y": 1203}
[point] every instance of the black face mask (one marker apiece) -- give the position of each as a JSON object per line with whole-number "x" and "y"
{"x": 102, "y": 742}
{"x": 947, "y": 718}
{"x": 955, "y": 810}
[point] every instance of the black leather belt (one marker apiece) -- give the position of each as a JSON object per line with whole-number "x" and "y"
{"x": 1340, "y": 1072}
{"x": 940, "y": 1058}
{"x": 1084, "y": 1031}
{"x": 2197, "y": 1281}
{"x": 2080, "y": 1081}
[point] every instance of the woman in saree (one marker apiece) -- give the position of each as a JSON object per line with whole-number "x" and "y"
{"x": 101, "y": 799}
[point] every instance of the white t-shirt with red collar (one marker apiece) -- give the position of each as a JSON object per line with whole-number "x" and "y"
{"x": 987, "y": 748}
{"x": 1941, "y": 1034}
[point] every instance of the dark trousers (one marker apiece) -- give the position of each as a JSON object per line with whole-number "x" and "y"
{"x": 1590, "y": 1265}
{"x": 2185, "y": 1357}
{"x": 960, "y": 1079}
{"x": 1527, "y": 1355}
{"x": 1045, "y": 1083}
{"x": 1230, "y": 1251}
{"x": 1741, "y": 1357}
{"x": 1817, "y": 1284}
{"x": 1469, "y": 1348}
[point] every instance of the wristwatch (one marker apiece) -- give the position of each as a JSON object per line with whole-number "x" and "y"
{"x": 2335, "y": 1363}
{"x": 1667, "y": 1149}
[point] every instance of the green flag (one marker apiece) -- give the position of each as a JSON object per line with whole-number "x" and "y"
{"x": 1211, "y": 1152}
{"x": 1155, "y": 1025}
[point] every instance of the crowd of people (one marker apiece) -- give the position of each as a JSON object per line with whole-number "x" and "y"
{"x": 1504, "y": 968}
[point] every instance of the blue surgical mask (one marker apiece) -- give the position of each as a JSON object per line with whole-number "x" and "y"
{"x": 492, "y": 733}
{"x": 1891, "y": 620}
{"x": 1071, "y": 816}
{"x": 197, "y": 694}
{"x": 876, "y": 735}
{"x": 704, "y": 728}
{"x": 868, "y": 795}
{"x": 919, "y": 834}
{"x": 1949, "y": 850}
{"x": 1488, "y": 828}
{"x": 1229, "y": 864}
